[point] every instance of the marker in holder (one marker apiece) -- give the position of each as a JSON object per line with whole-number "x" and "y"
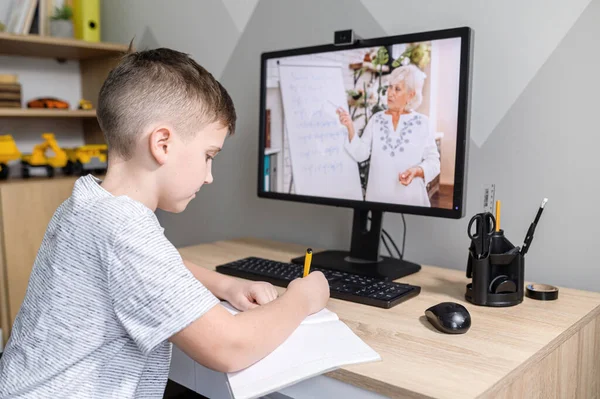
{"x": 497, "y": 278}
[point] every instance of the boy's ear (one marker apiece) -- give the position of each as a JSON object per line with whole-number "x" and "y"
{"x": 161, "y": 140}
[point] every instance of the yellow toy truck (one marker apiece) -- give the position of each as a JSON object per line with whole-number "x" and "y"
{"x": 91, "y": 158}
{"x": 8, "y": 152}
{"x": 85, "y": 104}
{"x": 39, "y": 159}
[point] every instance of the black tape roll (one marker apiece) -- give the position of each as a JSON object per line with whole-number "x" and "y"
{"x": 542, "y": 292}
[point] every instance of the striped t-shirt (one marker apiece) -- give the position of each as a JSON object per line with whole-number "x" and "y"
{"x": 106, "y": 292}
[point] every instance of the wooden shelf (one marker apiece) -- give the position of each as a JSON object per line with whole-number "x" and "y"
{"x": 45, "y": 113}
{"x": 59, "y": 48}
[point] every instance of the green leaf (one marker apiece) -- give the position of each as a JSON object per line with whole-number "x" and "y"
{"x": 62, "y": 13}
{"x": 376, "y": 108}
{"x": 382, "y": 57}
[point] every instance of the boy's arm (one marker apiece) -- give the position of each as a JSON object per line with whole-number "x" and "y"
{"x": 227, "y": 343}
{"x": 156, "y": 298}
{"x": 217, "y": 283}
{"x": 243, "y": 295}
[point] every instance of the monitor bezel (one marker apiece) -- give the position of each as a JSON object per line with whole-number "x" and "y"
{"x": 461, "y": 164}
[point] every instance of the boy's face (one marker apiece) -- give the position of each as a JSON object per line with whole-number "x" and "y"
{"x": 189, "y": 166}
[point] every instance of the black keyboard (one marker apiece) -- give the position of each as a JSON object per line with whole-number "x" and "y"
{"x": 349, "y": 287}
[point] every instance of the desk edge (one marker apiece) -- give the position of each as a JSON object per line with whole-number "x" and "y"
{"x": 541, "y": 354}
{"x": 373, "y": 385}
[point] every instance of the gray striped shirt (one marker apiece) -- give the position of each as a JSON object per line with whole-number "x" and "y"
{"x": 106, "y": 292}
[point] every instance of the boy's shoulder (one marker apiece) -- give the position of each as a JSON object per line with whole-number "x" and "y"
{"x": 122, "y": 206}
{"x": 90, "y": 200}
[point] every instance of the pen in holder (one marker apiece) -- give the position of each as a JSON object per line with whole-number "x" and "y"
{"x": 498, "y": 275}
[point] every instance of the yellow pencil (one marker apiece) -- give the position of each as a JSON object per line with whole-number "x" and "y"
{"x": 498, "y": 215}
{"x": 307, "y": 260}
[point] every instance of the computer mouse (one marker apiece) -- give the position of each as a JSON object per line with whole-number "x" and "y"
{"x": 449, "y": 317}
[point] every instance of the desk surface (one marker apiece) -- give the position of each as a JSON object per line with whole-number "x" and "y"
{"x": 419, "y": 361}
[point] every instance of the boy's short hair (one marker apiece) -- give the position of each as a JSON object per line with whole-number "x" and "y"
{"x": 160, "y": 84}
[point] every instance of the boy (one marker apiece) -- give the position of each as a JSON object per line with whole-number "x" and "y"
{"x": 108, "y": 293}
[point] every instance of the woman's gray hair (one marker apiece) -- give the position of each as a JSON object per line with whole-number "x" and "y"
{"x": 414, "y": 79}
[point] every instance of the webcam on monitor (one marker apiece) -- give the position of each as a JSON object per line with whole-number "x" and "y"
{"x": 345, "y": 37}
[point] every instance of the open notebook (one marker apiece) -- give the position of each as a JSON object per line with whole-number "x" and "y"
{"x": 320, "y": 344}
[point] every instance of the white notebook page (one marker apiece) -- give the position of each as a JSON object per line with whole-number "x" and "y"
{"x": 315, "y": 347}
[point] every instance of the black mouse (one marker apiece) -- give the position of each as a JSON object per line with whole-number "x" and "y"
{"x": 449, "y": 317}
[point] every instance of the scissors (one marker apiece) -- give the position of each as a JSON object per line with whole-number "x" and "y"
{"x": 485, "y": 224}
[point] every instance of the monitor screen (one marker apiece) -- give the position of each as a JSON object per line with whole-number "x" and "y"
{"x": 379, "y": 124}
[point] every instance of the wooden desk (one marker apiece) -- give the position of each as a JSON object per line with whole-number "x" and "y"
{"x": 536, "y": 349}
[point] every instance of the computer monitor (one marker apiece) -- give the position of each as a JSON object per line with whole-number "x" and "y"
{"x": 378, "y": 125}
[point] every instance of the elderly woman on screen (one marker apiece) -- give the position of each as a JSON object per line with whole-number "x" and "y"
{"x": 404, "y": 155}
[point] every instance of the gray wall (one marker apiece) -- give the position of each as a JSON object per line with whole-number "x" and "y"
{"x": 534, "y": 132}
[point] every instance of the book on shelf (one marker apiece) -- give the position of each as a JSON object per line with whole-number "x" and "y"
{"x": 10, "y": 88}
{"x": 10, "y": 104}
{"x": 270, "y": 169}
{"x": 9, "y": 79}
{"x": 268, "y": 129}
{"x": 10, "y": 94}
{"x": 267, "y": 173}
{"x": 20, "y": 16}
{"x": 44, "y": 13}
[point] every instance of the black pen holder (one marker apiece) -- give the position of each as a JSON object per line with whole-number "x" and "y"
{"x": 498, "y": 278}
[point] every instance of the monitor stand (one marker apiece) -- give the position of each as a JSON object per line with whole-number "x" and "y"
{"x": 363, "y": 257}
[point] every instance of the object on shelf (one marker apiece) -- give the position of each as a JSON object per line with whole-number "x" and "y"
{"x": 20, "y": 16}
{"x": 61, "y": 23}
{"x": 9, "y": 79}
{"x": 13, "y": 103}
{"x": 86, "y": 20}
{"x": 10, "y": 91}
{"x": 41, "y": 19}
{"x": 39, "y": 159}
{"x": 8, "y": 152}
{"x": 85, "y": 104}
{"x": 268, "y": 128}
{"x": 86, "y": 159}
{"x": 47, "y": 102}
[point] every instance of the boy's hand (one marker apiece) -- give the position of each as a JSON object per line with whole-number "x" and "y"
{"x": 314, "y": 288}
{"x": 245, "y": 295}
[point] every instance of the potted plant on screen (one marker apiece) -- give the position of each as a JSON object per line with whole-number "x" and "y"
{"x": 61, "y": 23}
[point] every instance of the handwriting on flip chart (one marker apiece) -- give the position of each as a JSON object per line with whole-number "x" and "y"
{"x": 320, "y": 164}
